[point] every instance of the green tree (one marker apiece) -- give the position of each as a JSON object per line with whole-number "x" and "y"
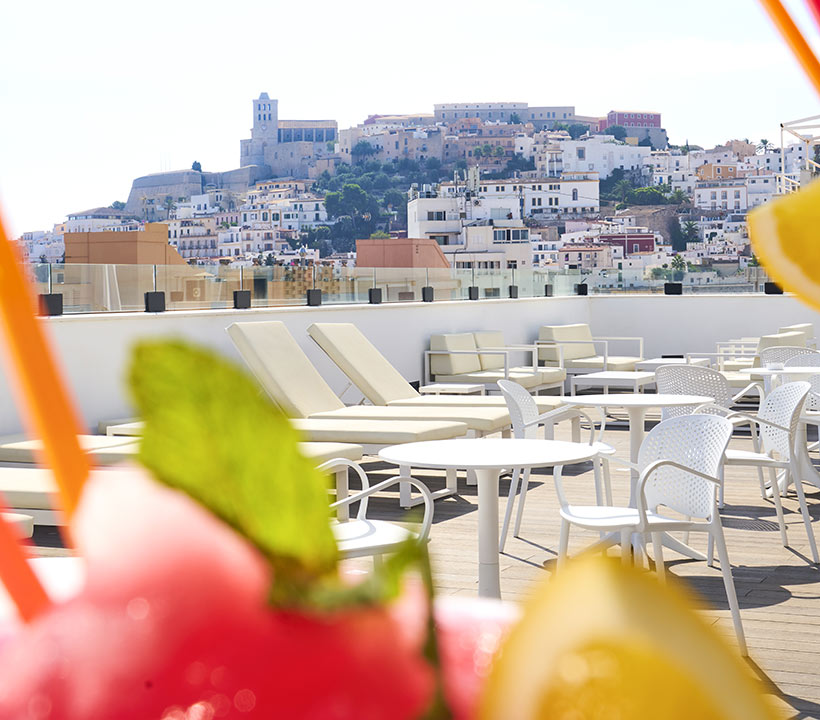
{"x": 362, "y": 150}
{"x": 678, "y": 263}
{"x": 196, "y": 166}
{"x": 379, "y": 235}
{"x": 764, "y": 145}
{"x": 117, "y": 205}
{"x": 478, "y": 151}
{"x": 622, "y": 189}
{"x": 560, "y": 126}
{"x": 498, "y": 151}
{"x": 690, "y": 231}
{"x": 576, "y": 130}
{"x": 678, "y": 197}
{"x": 646, "y": 196}
{"x": 170, "y": 205}
{"x": 617, "y": 131}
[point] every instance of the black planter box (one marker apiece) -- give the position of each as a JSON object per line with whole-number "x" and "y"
{"x": 51, "y": 304}
{"x": 472, "y": 292}
{"x": 513, "y": 291}
{"x": 155, "y": 301}
{"x": 771, "y": 288}
{"x": 581, "y": 289}
{"x": 547, "y": 290}
{"x": 427, "y": 293}
{"x": 673, "y": 288}
{"x": 314, "y": 297}
{"x": 374, "y": 296}
{"x": 241, "y": 299}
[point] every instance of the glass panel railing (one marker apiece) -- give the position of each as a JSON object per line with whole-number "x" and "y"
{"x": 121, "y": 288}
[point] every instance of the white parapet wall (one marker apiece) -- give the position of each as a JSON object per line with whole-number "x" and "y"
{"x": 94, "y": 349}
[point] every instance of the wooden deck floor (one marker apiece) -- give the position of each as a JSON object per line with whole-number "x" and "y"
{"x": 778, "y": 588}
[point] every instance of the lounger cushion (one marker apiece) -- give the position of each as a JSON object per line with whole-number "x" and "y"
{"x": 453, "y": 364}
{"x": 101, "y": 449}
{"x": 128, "y": 429}
{"x": 282, "y": 368}
{"x": 613, "y": 362}
{"x": 575, "y": 333}
{"x": 544, "y": 402}
{"x": 361, "y": 361}
{"x": 377, "y": 432}
{"x": 321, "y": 452}
{"x": 738, "y": 364}
{"x": 793, "y": 339}
{"x": 490, "y": 419}
{"x": 806, "y": 328}
{"x": 28, "y": 487}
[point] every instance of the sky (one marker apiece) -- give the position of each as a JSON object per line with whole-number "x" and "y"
{"x": 94, "y": 94}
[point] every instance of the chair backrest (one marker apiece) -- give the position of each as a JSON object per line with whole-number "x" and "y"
{"x": 782, "y": 406}
{"x": 782, "y": 353}
{"x": 282, "y": 368}
{"x": 809, "y": 359}
{"x": 522, "y": 408}
{"x": 361, "y": 361}
{"x": 490, "y": 340}
{"x": 694, "y": 441}
{"x": 806, "y": 328}
{"x": 577, "y": 333}
{"x": 691, "y": 380}
{"x": 454, "y": 364}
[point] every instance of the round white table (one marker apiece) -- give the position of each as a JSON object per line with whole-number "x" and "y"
{"x": 487, "y": 457}
{"x": 636, "y": 406}
{"x": 769, "y": 374}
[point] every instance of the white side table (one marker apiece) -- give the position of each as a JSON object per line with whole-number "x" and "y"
{"x": 653, "y": 364}
{"x": 631, "y": 379}
{"x": 487, "y": 457}
{"x": 452, "y": 389}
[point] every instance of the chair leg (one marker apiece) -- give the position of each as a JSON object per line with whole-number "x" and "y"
{"x": 596, "y": 474}
{"x": 451, "y": 481}
{"x": 575, "y": 423}
{"x": 778, "y": 507}
{"x": 626, "y": 546}
{"x": 729, "y": 584}
{"x": 756, "y": 448}
{"x": 563, "y": 543}
{"x": 710, "y": 551}
{"x": 525, "y": 483}
{"x": 508, "y": 511}
{"x": 657, "y": 549}
{"x": 607, "y": 482}
{"x": 804, "y": 510}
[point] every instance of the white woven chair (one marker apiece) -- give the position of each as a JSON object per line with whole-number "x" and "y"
{"x": 361, "y": 536}
{"x": 784, "y": 353}
{"x": 778, "y": 420}
{"x": 525, "y": 423}
{"x": 811, "y": 410}
{"x": 680, "y": 464}
{"x": 695, "y": 380}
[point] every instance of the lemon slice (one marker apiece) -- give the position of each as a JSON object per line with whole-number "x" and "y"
{"x": 601, "y": 641}
{"x": 785, "y": 235}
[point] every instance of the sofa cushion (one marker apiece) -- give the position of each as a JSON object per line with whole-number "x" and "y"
{"x": 573, "y": 351}
{"x": 377, "y": 432}
{"x": 453, "y": 364}
{"x": 490, "y": 340}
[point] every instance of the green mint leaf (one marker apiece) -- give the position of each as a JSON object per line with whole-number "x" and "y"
{"x": 210, "y": 433}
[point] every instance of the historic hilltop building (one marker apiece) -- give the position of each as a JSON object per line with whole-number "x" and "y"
{"x": 287, "y": 147}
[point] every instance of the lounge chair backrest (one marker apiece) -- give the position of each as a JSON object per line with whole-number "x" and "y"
{"x": 806, "y": 328}
{"x": 361, "y": 361}
{"x": 282, "y": 368}
{"x": 453, "y": 364}
{"x": 573, "y": 351}
{"x": 490, "y": 340}
{"x": 793, "y": 339}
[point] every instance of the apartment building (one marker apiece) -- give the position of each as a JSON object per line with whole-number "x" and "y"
{"x": 584, "y": 257}
{"x": 721, "y": 195}
{"x": 602, "y": 154}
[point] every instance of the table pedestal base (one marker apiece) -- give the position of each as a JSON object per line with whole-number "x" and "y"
{"x": 489, "y": 580}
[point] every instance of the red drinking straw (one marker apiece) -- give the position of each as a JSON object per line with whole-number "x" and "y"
{"x": 794, "y": 38}
{"x": 814, "y": 6}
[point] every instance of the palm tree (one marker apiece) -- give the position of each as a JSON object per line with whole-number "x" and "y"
{"x": 621, "y": 189}
{"x": 764, "y": 145}
{"x": 690, "y": 231}
{"x": 678, "y": 197}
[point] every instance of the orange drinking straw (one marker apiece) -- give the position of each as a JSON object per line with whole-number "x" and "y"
{"x": 17, "y": 576}
{"x": 792, "y": 35}
{"x": 43, "y": 397}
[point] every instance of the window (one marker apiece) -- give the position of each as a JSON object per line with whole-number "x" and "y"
{"x": 574, "y": 194}
{"x": 580, "y": 153}
{"x": 437, "y": 215}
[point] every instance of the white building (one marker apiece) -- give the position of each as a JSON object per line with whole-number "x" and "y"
{"x": 602, "y": 154}
{"x": 721, "y": 195}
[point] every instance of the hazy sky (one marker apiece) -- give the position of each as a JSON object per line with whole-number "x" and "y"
{"x": 94, "y": 94}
